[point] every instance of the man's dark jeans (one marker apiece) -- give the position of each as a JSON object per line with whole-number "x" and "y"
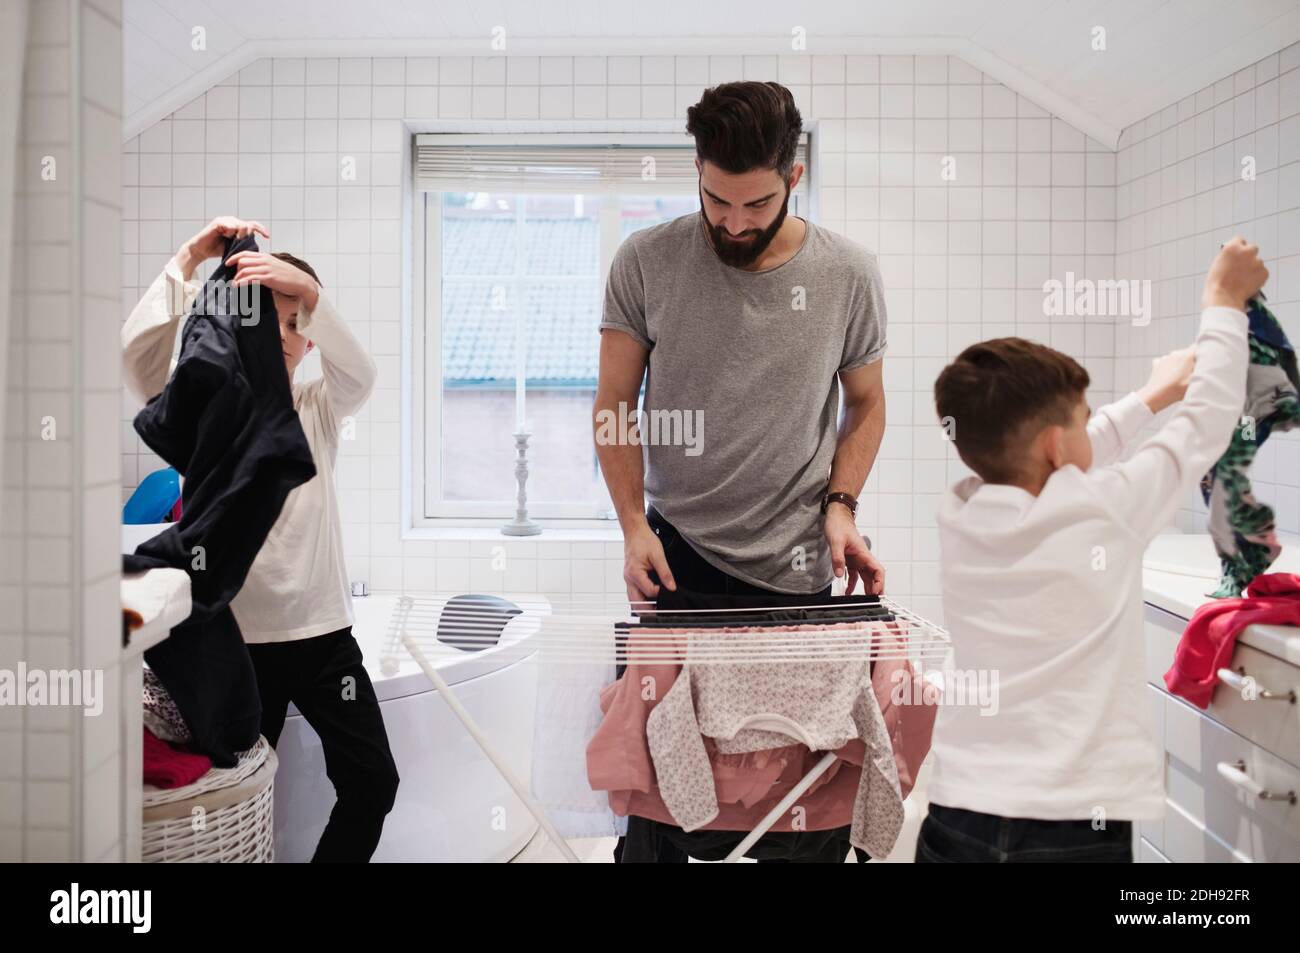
{"x": 692, "y": 571}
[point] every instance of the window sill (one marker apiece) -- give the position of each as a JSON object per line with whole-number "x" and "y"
{"x": 470, "y": 531}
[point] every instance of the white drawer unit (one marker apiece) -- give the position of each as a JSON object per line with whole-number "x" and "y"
{"x": 1232, "y": 772}
{"x": 1152, "y": 831}
{"x": 1214, "y": 779}
{"x": 1148, "y": 854}
{"x": 1257, "y": 694}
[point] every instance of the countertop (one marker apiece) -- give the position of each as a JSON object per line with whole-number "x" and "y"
{"x": 162, "y": 597}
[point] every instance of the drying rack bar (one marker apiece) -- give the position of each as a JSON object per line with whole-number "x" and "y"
{"x": 605, "y": 632}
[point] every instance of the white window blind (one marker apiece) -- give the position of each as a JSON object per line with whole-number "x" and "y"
{"x": 614, "y": 164}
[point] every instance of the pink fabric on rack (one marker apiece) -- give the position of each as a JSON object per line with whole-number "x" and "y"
{"x": 749, "y": 785}
{"x": 909, "y": 706}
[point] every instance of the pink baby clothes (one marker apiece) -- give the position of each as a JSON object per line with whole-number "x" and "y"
{"x": 618, "y": 757}
{"x": 822, "y": 700}
{"x": 748, "y": 785}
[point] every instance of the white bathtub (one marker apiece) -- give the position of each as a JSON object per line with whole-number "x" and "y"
{"x": 452, "y": 804}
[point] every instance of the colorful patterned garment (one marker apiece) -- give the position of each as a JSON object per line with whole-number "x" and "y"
{"x": 1242, "y": 527}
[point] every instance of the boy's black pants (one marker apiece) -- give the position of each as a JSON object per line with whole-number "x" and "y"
{"x": 324, "y": 676}
{"x": 951, "y": 835}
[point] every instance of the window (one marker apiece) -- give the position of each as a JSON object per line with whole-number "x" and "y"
{"x": 514, "y": 264}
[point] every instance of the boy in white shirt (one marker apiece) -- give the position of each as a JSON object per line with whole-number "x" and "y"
{"x": 295, "y": 607}
{"x": 1041, "y": 565}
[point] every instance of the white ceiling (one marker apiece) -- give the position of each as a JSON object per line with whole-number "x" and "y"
{"x": 1158, "y": 51}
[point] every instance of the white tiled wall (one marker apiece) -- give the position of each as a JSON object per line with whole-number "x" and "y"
{"x": 1181, "y": 192}
{"x": 61, "y": 775}
{"x": 962, "y": 260}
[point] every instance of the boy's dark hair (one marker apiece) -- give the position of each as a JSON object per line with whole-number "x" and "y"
{"x": 744, "y": 126}
{"x": 298, "y": 263}
{"x": 998, "y": 394}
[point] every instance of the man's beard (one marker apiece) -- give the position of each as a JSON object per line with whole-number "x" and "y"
{"x": 740, "y": 254}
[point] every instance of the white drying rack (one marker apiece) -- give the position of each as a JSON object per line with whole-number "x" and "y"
{"x": 584, "y": 631}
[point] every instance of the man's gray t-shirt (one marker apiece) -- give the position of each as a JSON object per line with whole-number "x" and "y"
{"x": 741, "y": 394}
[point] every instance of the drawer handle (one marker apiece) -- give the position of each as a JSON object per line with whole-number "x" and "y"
{"x": 1237, "y": 682}
{"x": 1236, "y": 773}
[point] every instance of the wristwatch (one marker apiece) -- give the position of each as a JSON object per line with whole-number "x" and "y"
{"x": 845, "y": 498}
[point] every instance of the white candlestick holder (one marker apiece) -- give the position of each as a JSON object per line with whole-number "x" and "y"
{"x": 521, "y": 525}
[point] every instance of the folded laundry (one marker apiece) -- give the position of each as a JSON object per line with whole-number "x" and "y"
{"x": 226, "y": 422}
{"x": 168, "y": 767}
{"x": 1242, "y": 527}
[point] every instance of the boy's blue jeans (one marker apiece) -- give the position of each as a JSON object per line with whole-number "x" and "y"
{"x": 951, "y": 835}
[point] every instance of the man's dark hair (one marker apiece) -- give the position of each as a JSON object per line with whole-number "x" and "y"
{"x": 744, "y": 126}
{"x": 299, "y": 264}
{"x": 998, "y": 394}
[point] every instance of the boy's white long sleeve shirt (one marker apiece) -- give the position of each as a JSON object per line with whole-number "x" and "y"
{"x": 1046, "y": 592}
{"x": 298, "y": 586}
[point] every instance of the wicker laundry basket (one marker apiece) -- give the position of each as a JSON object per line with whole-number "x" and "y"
{"x": 223, "y": 817}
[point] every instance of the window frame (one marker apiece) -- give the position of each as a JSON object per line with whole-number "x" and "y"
{"x": 427, "y": 511}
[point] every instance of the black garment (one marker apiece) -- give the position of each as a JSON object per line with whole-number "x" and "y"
{"x": 692, "y": 571}
{"x": 226, "y": 422}
{"x": 312, "y": 674}
{"x": 682, "y": 606}
{"x": 701, "y": 585}
{"x": 673, "y": 607}
{"x": 951, "y": 835}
